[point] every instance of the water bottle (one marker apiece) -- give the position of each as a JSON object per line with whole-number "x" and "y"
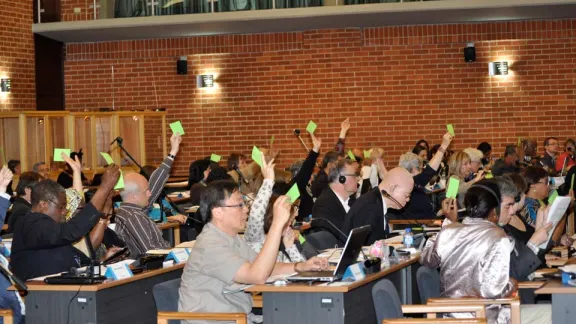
{"x": 408, "y": 238}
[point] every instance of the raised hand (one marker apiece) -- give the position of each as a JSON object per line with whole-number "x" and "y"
{"x": 110, "y": 177}
{"x": 5, "y": 177}
{"x": 267, "y": 168}
{"x": 316, "y": 142}
{"x": 479, "y": 176}
{"x": 446, "y": 140}
{"x": 450, "y": 210}
{"x": 281, "y": 211}
{"x": 75, "y": 164}
{"x": 345, "y": 125}
{"x": 175, "y": 141}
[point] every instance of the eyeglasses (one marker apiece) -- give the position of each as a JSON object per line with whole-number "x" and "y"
{"x": 240, "y": 205}
{"x": 546, "y": 182}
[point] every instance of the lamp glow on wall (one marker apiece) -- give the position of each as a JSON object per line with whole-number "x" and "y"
{"x": 5, "y": 85}
{"x": 498, "y": 68}
{"x": 205, "y": 81}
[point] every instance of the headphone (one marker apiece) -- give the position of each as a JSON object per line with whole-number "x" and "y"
{"x": 493, "y": 194}
{"x": 341, "y": 178}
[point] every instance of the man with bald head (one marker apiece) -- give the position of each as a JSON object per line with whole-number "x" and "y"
{"x": 133, "y": 225}
{"x": 370, "y": 209}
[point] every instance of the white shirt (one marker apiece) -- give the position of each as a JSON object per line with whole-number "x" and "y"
{"x": 343, "y": 202}
{"x": 385, "y": 208}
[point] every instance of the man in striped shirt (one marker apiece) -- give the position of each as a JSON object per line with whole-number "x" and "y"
{"x": 132, "y": 222}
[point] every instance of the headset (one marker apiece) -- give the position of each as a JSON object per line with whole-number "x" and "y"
{"x": 493, "y": 194}
{"x": 341, "y": 178}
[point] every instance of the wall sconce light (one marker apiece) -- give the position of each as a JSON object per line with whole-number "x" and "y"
{"x": 498, "y": 68}
{"x": 205, "y": 81}
{"x": 40, "y": 121}
{"x": 5, "y": 85}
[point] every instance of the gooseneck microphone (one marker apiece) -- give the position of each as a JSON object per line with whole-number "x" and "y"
{"x": 117, "y": 139}
{"x": 242, "y": 177}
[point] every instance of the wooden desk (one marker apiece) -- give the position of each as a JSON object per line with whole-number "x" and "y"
{"x": 123, "y": 301}
{"x": 335, "y": 304}
{"x": 563, "y": 301}
{"x": 174, "y": 233}
{"x": 427, "y": 222}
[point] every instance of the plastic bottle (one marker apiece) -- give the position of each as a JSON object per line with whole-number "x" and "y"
{"x": 408, "y": 238}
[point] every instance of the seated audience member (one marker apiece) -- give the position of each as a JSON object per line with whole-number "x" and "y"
{"x": 22, "y": 203}
{"x": 221, "y": 261}
{"x": 566, "y": 160}
{"x": 198, "y": 172}
{"x": 133, "y": 225}
{"x": 486, "y": 150}
{"x": 548, "y": 160}
{"x": 42, "y": 169}
{"x": 301, "y": 177}
{"x": 65, "y": 177}
{"x": 16, "y": 169}
{"x": 250, "y": 178}
{"x": 8, "y": 299}
{"x": 334, "y": 202}
{"x": 459, "y": 167}
{"x": 321, "y": 181}
{"x": 43, "y": 241}
{"x": 236, "y": 160}
{"x": 420, "y": 205}
{"x": 529, "y": 152}
{"x": 474, "y": 256}
{"x": 517, "y": 227}
{"x": 370, "y": 209}
{"x": 216, "y": 173}
{"x": 507, "y": 164}
{"x": 475, "y": 162}
{"x": 421, "y": 152}
{"x": 423, "y": 143}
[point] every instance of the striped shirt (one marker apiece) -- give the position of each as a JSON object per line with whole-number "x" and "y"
{"x": 134, "y": 226}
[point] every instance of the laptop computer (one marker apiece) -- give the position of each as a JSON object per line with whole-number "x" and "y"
{"x": 349, "y": 256}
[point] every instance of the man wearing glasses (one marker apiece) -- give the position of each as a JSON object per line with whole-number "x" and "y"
{"x": 334, "y": 202}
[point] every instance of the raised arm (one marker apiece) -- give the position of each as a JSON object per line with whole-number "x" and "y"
{"x": 305, "y": 173}
{"x": 437, "y": 158}
{"x": 340, "y": 144}
{"x": 255, "y": 225}
{"x": 160, "y": 176}
{"x": 76, "y": 167}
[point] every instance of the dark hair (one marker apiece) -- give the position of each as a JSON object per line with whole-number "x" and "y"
{"x": 213, "y": 195}
{"x": 27, "y": 181}
{"x": 569, "y": 141}
{"x": 196, "y": 171}
{"x": 12, "y": 164}
{"x": 336, "y": 171}
{"x": 234, "y": 159}
{"x": 218, "y": 173}
{"x": 422, "y": 141}
{"x": 46, "y": 190}
{"x": 79, "y": 154}
{"x": 519, "y": 181}
{"x": 280, "y": 188}
{"x": 484, "y": 147}
{"x": 329, "y": 157}
{"x": 533, "y": 175}
{"x": 147, "y": 171}
{"x": 548, "y": 139}
{"x": 479, "y": 201}
{"x": 510, "y": 150}
{"x": 417, "y": 149}
{"x": 269, "y": 216}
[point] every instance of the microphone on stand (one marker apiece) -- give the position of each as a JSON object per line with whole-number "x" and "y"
{"x": 117, "y": 139}
{"x": 297, "y": 134}
{"x": 242, "y": 177}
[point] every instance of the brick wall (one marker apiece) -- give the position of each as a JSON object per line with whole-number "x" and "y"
{"x": 397, "y": 85}
{"x": 86, "y": 10}
{"x": 17, "y": 55}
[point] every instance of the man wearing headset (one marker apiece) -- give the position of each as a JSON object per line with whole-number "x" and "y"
{"x": 370, "y": 209}
{"x": 334, "y": 202}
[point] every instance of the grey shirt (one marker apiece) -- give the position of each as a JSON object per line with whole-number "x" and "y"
{"x": 208, "y": 279}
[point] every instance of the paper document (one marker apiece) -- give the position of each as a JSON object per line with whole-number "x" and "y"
{"x": 557, "y": 210}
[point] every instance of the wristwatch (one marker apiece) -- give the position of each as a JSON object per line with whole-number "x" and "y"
{"x": 172, "y": 156}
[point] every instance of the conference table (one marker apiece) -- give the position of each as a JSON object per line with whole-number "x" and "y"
{"x": 336, "y": 303}
{"x": 563, "y": 301}
{"x": 123, "y": 301}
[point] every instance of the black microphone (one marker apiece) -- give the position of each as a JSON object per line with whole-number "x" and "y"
{"x": 117, "y": 139}
{"x": 387, "y": 195}
{"x": 372, "y": 264}
{"x": 242, "y": 177}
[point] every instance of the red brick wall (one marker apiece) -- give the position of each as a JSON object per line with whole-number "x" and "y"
{"x": 86, "y": 11}
{"x": 17, "y": 55}
{"x": 397, "y": 85}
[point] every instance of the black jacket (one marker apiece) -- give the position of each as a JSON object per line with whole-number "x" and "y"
{"x": 302, "y": 179}
{"x": 329, "y": 207}
{"x": 20, "y": 207}
{"x": 523, "y": 262}
{"x": 368, "y": 210}
{"x": 43, "y": 246}
{"x": 319, "y": 184}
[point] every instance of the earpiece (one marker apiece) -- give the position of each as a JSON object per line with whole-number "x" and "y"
{"x": 341, "y": 178}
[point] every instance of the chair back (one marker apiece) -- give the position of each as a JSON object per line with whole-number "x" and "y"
{"x": 386, "y": 301}
{"x": 166, "y": 295}
{"x": 428, "y": 280}
{"x": 322, "y": 240}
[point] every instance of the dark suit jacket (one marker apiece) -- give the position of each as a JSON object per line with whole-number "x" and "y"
{"x": 329, "y": 207}
{"x": 368, "y": 210}
{"x": 523, "y": 262}
{"x": 319, "y": 184}
{"x": 20, "y": 207}
{"x": 301, "y": 179}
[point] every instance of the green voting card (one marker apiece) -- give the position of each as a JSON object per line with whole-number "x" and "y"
{"x": 293, "y": 193}
{"x": 452, "y": 188}
{"x": 311, "y": 127}
{"x": 120, "y": 183}
{"x": 272, "y": 140}
{"x": 450, "y": 129}
{"x": 351, "y": 156}
{"x": 58, "y": 154}
{"x": 552, "y": 197}
{"x": 366, "y": 154}
{"x": 572, "y": 182}
{"x": 107, "y": 157}
{"x": 257, "y": 156}
{"x": 215, "y": 158}
{"x": 2, "y": 156}
{"x": 177, "y": 127}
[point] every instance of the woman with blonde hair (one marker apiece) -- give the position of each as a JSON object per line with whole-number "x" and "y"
{"x": 459, "y": 166}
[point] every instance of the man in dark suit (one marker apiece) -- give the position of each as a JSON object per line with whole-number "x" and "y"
{"x": 548, "y": 160}
{"x": 333, "y": 203}
{"x": 370, "y": 209}
{"x": 21, "y": 205}
{"x": 321, "y": 181}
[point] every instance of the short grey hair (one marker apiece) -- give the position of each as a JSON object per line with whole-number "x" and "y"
{"x": 36, "y": 166}
{"x": 130, "y": 187}
{"x": 409, "y": 161}
{"x": 475, "y": 154}
{"x": 507, "y": 187}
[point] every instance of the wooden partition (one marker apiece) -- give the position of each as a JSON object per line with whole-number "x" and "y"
{"x": 32, "y": 136}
